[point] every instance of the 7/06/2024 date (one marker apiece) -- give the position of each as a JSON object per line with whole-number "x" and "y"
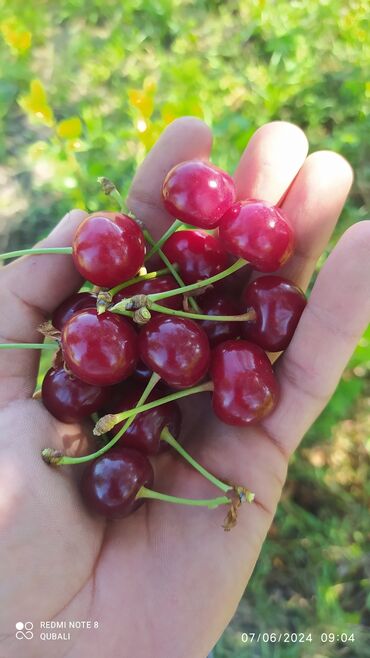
{"x": 295, "y": 638}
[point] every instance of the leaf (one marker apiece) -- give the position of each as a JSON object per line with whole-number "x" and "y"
{"x": 69, "y": 128}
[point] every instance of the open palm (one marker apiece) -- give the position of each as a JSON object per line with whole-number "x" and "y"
{"x": 166, "y": 581}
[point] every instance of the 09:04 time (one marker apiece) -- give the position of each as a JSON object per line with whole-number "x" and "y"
{"x": 337, "y": 637}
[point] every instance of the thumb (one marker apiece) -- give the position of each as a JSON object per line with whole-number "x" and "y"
{"x": 30, "y": 288}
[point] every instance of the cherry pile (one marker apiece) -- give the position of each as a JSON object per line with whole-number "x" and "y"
{"x": 135, "y": 341}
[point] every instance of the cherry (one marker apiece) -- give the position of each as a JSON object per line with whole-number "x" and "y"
{"x": 198, "y": 254}
{"x": 233, "y": 285}
{"x": 215, "y": 304}
{"x": 108, "y": 248}
{"x": 144, "y": 433}
{"x": 111, "y": 482}
{"x": 151, "y": 286}
{"x": 69, "y": 399}
{"x": 198, "y": 193}
{"x": 175, "y": 348}
{"x": 278, "y": 305}
{"x": 99, "y": 349}
{"x": 77, "y": 302}
{"x": 245, "y": 387}
{"x": 258, "y": 232}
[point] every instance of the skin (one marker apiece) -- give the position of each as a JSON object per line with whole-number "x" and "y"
{"x": 150, "y": 578}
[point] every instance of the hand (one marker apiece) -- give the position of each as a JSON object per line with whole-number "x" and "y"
{"x": 167, "y": 580}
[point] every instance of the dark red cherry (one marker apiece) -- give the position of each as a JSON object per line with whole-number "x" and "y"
{"x": 152, "y": 286}
{"x": 215, "y": 304}
{"x": 77, "y": 302}
{"x": 233, "y": 285}
{"x": 198, "y": 254}
{"x": 111, "y": 482}
{"x": 175, "y": 348}
{"x": 258, "y": 232}
{"x": 108, "y": 248}
{"x": 245, "y": 387}
{"x": 144, "y": 433}
{"x": 69, "y": 399}
{"x": 278, "y": 305}
{"x": 198, "y": 193}
{"x": 99, "y": 349}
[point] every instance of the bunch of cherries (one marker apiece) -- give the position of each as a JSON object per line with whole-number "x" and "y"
{"x": 139, "y": 340}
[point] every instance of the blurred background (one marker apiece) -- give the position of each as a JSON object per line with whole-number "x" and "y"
{"x": 86, "y": 88}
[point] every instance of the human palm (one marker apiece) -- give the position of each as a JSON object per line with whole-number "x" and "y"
{"x": 166, "y": 580}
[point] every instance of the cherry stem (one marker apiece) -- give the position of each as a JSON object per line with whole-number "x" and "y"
{"x": 211, "y": 503}
{"x": 170, "y": 439}
{"x": 199, "y": 284}
{"x": 86, "y": 458}
{"x": 110, "y": 190}
{"x": 28, "y": 346}
{"x": 56, "y": 458}
{"x": 117, "y": 418}
{"x": 249, "y": 315}
{"x": 137, "y": 279}
{"x": 35, "y": 251}
{"x": 174, "y": 226}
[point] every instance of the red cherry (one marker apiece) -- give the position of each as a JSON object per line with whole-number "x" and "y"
{"x": 245, "y": 387}
{"x": 152, "y": 286}
{"x": 198, "y": 254}
{"x": 198, "y": 193}
{"x": 99, "y": 349}
{"x": 258, "y": 232}
{"x": 77, "y": 302}
{"x": 175, "y": 348}
{"x": 108, "y": 248}
{"x": 69, "y": 399}
{"x": 233, "y": 285}
{"x": 278, "y": 305}
{"x": 111, "y": 482}
{"x": 215, "y": 304}
{"x": 144, "y": 433}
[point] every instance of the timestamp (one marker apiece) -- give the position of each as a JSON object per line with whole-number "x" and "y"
{"x": 337, "y": 637}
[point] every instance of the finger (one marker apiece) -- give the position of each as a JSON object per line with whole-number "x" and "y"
{"x": 313, "y": 205}
{"x": 184, "y": 139}
{"x": 30, "y": 288}
{"x": 272, "y": 159}
{"x": 336, "y": 315}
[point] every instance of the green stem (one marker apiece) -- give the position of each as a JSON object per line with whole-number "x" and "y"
{"x": 200, "y": 284}
{"x": 36, "y": 251}
{"x": 207, "y": 386}
{"x": 174, "y": 226}
{"x": 51, "y": 456}
{"x": 211, "y": 503}
{"x": 28, "y": 346}
{"x": 137, "y": 279}
{"x": 78, "y": 460}
{"x": 249, "y": 315}
{"x": 168, "y": 438}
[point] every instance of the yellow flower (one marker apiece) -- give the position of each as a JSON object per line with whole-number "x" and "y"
{"x": 17, "y": 38}
{"x": 69, "y": 128}
{"x": 36, "y": 103}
